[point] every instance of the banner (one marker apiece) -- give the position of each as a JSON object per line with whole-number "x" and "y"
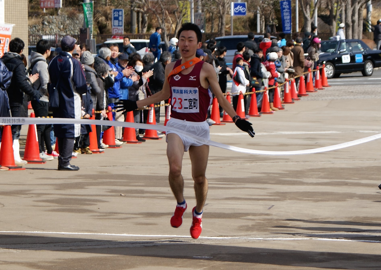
{"x": 285, "y": 11}
{"x": 88, "y": 9}
{"x": 5, "y": 37}
{"x": 118, "y": 21}
{"x": 50, "y": 3}
{"x": 199, "y": 20}
{"x": 185, "y": 8}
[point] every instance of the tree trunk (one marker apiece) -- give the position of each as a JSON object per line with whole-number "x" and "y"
{"x": 355, "y": 19}
{"x": 144, "y": 22}
{"x": 361, "y": 20}
{"x": 212, "y": 22}
{"x": 348, "y": 20}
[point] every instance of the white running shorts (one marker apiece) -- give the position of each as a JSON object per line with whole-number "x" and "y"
{"x": 199, "y": 129}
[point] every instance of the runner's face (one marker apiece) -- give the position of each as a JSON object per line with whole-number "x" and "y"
{"x": 188, "y": 44}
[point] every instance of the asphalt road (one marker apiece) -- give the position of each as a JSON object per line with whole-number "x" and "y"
{"x": 318, "y": 211}
{"x": 356, "y": 78}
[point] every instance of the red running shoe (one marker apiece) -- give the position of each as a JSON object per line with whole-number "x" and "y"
{"x": 196, "y": 228}
{"x": 177, "y": 218}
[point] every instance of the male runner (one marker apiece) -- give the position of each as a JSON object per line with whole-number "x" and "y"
{"x": 187, "y": 82}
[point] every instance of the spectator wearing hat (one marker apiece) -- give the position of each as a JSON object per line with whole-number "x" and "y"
{"x": 265, "y": 43}
{"x": 201, "y": 54}
{"x": 298, "y": 56}
{"x": 377, "y": 35}
{"x": 67, "y": 75}
{"x": 313, "y": 53}
{"x": 340, "y": 31}
{"x": 173, "y": 45}
{"x": 270, "y": 66}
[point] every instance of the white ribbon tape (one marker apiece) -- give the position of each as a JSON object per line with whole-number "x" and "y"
{"x": 44, "y": 121}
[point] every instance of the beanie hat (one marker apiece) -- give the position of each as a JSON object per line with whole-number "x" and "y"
{"x": 87, "y": 58}
{"x": 273, "y": 56}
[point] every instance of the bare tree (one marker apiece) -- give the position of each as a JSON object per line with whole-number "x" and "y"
{"x": 142, "y": 7}
{"x": 352, "y": 7}
{"x": 307, "y": 5}
{"x": 222, "y": 8}
{"x": 334, "y": 8}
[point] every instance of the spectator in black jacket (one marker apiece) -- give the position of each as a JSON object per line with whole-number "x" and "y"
{"x": 20, "y": 84}
{"x": 250, "y": 44}
{"x": 377, "y": 35}
{"x": 224, "y": 71}
{"x": 256, "y": 74}
{"x": 156, "y": 82}
{"x": 306, "y": 41}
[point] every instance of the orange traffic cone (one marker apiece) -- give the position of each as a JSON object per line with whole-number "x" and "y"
{"x": 287, "y": 99}
{"x": 324, "y": 80}
{"x": 318, "y": 80}
{"x": 56, "y": 148}
{"x": 93, "y": 138}
{"x": 216, "y": 113}
{"x": 109, "y": 134}
{"x": 294, "y": 95}
{"x": 277, "y": 103}
{"x": 129, "y": 134}
{"x": 310, "y": 84}
{"x": 265, "y": 103}
{"x": 151, "y": 134}
{"x": 253, "y": 110}
{"x": 226, "y": 117}
{"x": 302, "y": 87}
{"x": 168, "y": 112}
{"x": 240, "y": 111}
{"x": 32, "y": 149}
{"x": 30, "y": 105}
{"x": 7, "y": 158}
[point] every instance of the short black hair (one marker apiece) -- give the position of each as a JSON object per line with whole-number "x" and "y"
{"x": 246, "y": 56}
{"x": 16, "y": 45}
{"x": 191, "y": 27}
{"x": 238, "y": 59}
{"x": 258, "y": 51}
{"x": 158, "y": 28}
{"x": 313, "y": 28}
{"x": 42, "y": 46}
{"x": 282, "y": 35}
{"x": 222, "y": 49}
{"x": 267, "y": 35}
{"x": 240, "y": 46}
{"x": 250, "y": 35}
{"x": 126, "y": 37}
{"x": 113, "y": 45}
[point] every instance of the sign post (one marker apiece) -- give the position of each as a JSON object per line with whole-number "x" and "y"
{"x": 50, "y": 3}
{"x": 199, "y": 20}
{"x": 285, "y": 10}
{"x": 237, "y": 9}
{"x": 118, "y": 21}
{"x": 88, "y": 11}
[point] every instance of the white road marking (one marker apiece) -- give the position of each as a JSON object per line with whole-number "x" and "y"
{"x": 290, "y": 133}
{"x": 188, "y": 237}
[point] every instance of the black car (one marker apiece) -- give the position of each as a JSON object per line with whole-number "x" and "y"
{"x": 349, "y": 55}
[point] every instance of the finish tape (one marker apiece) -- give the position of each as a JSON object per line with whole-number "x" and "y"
{"x": 45, "y": 121}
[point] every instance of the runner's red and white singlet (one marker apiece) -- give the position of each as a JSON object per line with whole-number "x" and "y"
{"x": 189, "y": 100}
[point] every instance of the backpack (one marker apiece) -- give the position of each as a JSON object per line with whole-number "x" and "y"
{"x": 5, "y": 76}
{"x": 30, "y": 69}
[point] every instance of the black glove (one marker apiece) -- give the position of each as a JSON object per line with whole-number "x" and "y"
{"x": 125, "y": 105}
{"x": 244, "y": 125}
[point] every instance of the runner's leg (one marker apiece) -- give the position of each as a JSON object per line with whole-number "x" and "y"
{"x": 199, "y": 159}
{"x": 175, "y": 153}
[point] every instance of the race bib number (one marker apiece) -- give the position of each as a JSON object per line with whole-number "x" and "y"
{"x": 185, "y": 99}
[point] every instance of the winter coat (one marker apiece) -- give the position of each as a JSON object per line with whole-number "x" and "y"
{"x": 341, "y": 33}
{"x": 87, "y": 108}
{"x": 72, "y": 84}
{"x": 313, "y": 53}
{"x": 236, "y": 86}
{"x": 156, "y": 82}
{"x": 265, "y": 44}
{"x": 298, "y": 59}
{"x": 129, "y": 49}
{"x": 270, "y": 66}
{"x": 20, "y": 83}
{"x": 222, "y": 79}
{"x": 251, "y": 45}
{"x": 171, "y": 49}
{"x": 95, "y": 89}
{"x": 237, "y": 55}
{"x": 102, "y": 98}
{"x": 113, "y": 92}
{"x": 154, "y": 41}
{"x": 40, "y": 66}
{"x": 125, "y": 83}
{"x": 377, "y": 33}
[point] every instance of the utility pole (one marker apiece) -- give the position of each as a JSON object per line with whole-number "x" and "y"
{"x": 258, "y": 21}
{"x": 369, "y": 16}
{"x": 192, "y": 10}
{"x": 296, "y": 16}
{"x": 316, "y": 17}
